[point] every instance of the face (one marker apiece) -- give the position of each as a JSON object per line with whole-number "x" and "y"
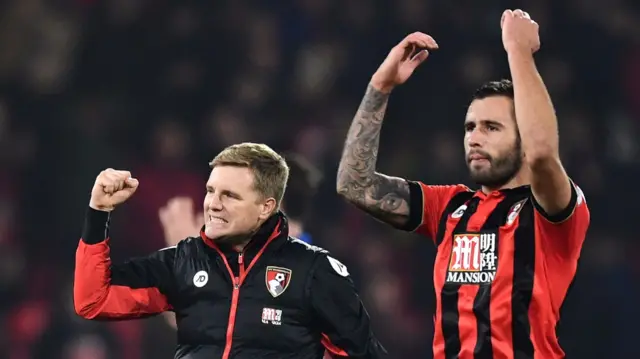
{"x": 492, "y": 142}
{"x": 233, "y": 209}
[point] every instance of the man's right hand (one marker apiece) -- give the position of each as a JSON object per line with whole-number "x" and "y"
{"x": 179, "y": 220}
{"x": 402, "y": 60}
{"x": 111, "y": 188}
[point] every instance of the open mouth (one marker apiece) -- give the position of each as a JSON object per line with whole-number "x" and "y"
{"x": 213, "y": 219}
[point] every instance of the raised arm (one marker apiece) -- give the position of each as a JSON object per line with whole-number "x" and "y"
{"x": 535, "y": 114}
{"x": 562, "y": 215}
{"x": 102, "y": 290}
{"x": 385, "y": 198}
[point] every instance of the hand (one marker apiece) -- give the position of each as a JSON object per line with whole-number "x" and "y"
{"x": 179, "y": 220}
{"x": 111, "y": 188}
{"x": 402, "y": 60}
{"x": 519, "y": 32}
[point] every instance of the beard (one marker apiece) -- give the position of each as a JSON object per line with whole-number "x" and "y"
{"x": 501, "y": 169}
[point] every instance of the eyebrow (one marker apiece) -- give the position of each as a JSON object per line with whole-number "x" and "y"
{"x": 484, "y": 122}
{"x": 234, "y": 194}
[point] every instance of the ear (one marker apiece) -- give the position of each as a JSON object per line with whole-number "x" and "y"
{"x": 267, "y": 208}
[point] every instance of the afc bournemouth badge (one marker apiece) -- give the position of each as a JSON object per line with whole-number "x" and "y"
{"x": 277, "y": 280}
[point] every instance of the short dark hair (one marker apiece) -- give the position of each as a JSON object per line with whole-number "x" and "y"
{"x": 304, "y": 179}
{"x": 502, "y": 87}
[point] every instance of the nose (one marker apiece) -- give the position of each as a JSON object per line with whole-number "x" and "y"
{"x": 213, "y": 202}
{"x": 475, "y": 138}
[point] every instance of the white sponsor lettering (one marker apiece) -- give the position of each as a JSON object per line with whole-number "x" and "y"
{"x": 474, "y": 258}
{"x": 271, "y": 316}
{"x": 470, "y": 277}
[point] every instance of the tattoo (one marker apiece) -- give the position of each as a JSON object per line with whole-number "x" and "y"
{"x": 386, "y": 198}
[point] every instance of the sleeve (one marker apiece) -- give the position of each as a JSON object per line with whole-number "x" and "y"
{"x": 426, "y": 205}
{"x": 343, "y": 320}
{"x": 134, "y": 289}
{"x": 564, "y": 233}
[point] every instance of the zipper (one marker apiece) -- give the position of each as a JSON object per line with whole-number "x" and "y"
{"x": 235, "y": 296}
{"x": 237, "y": 283}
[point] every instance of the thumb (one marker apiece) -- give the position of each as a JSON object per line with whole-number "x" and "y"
{"x": 507, "y": 13}
{"x": 419, "y": 58}
{"x": 132, "y": 182}
{"x": 130, "y": 188}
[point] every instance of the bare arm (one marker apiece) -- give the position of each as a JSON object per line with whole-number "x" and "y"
{"x": 385, "y": 198}
{"x": 535, "y": 115}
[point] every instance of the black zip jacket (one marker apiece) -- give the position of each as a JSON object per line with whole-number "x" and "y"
{"x": 279, "y": 299}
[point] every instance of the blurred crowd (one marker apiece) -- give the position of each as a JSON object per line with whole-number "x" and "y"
{"x": 159, "y": 87}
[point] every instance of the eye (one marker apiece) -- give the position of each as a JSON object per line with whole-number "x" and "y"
{"x": 469, "y": 127}
{"x": 231, "y": 195}
{"x": 493, "y": 128}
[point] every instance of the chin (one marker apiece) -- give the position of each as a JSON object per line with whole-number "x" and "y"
{"x": 214, "y": 233}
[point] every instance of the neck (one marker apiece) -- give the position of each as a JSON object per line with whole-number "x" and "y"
{"x": 522, "y": 178}
{"x": 240, "y": 242}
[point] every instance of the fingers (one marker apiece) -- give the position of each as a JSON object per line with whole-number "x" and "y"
{"x": 518, "y": 13}
{"x": 420, "y": 40}
{"x": 178, "y": 208}
{"x": 114, "y": 180}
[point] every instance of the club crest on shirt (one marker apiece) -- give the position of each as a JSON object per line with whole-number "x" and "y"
{"x": 277, "y": 280}
{"x": 514, "y": 211}
{"x": 474, "y": 258}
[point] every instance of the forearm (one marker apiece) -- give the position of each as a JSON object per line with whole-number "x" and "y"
{"x": 535, "y": 114}
{"x": 98, "y": 294}
{"x": 360, "y": 154}
{"x": 384, "y": 197}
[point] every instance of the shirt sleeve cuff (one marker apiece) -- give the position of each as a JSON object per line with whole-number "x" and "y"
{"x": 415, "y": 207}
{"x": 96, "y": 226}
{"x": 562, "y": 215}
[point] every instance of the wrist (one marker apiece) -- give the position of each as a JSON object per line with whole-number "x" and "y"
{"x": 96, "y": 207}
{"x": 516, "y": 52}
{"x": 381, "y": 86}
{"x": 96, "y": 226}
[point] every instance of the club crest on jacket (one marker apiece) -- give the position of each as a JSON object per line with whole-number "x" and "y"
{"x": 277, "y": 280}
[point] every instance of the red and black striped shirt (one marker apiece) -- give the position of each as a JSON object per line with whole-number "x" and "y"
{"x": 502, "y": 270}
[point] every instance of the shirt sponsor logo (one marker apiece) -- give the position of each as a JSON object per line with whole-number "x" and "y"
{"x": 459, "y": 212}
{"x": 271, "y": 316}
{"x": 474, "y": 258}
{"x": 200, "y": 279}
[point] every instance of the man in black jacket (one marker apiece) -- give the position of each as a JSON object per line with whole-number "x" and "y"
{"x": 244, "y": 288}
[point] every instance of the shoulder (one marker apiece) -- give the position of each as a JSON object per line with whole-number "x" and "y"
{"x": 189, "y": 246}
{"x": 300, "y": 247}
{"x": 323, "y": 260}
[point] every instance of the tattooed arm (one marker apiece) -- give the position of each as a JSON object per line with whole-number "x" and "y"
{"x": 385, "y": 198}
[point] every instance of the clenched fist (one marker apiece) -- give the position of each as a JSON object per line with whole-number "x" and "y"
{"x": 179, "y": 220}
{"x": 402, "y": 60}
{"x": 519, "y": 32}
{"x": 112, "y": 187}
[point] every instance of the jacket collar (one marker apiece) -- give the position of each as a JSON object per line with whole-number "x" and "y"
{"x": 273, "y": 228}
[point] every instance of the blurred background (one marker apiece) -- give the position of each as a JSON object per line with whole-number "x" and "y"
{"x": 160, "y": 87}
